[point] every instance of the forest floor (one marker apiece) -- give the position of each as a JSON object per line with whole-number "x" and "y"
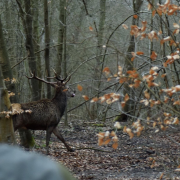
{"x": 150, "y": 156}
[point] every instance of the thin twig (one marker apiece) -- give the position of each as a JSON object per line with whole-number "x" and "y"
{"x": 89, "y": 60}
{"x": 43, "y": 50}
{"x": 116, "y": 30}
{"x": 91, "y": 148}
{"x": 168, "y": 107}
{"x": 85, "y": 7}
{"x": 20, "y": 61}
{"x": 93, "y": 96}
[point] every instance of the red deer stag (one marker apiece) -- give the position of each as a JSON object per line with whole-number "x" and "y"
{"x": 46, "y": 113}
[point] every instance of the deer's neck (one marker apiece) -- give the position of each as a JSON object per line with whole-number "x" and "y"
{"x": 60, "y": 99}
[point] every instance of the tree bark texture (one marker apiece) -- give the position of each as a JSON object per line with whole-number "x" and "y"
{"x": 27, "y": 23}
{"x": 30, "y": 47}
{"x": 47, "y": 41}
{"x": 99, "y": 62}
{"x": 128, "y": 63}
{"x": 6, "y": 125}
{"x": 61, "y": 37}
{"x": 36, "y": 35}
{"x": 6, "y": 67}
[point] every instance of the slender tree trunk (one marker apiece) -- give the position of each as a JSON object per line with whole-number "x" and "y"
{"x": 99, "y": 63}
{"x": 36, "y": 41}
{"x": 128, "y": 64}
{"x": 101, "y": 31}
{"x": 61, "y": 62}
{"x": 151, "y": 28}
{"x": 62, "y": 25}
{"x": 65, "y": 58}
{"x": 163, "y": 53}
{"x": 47, "y": 42}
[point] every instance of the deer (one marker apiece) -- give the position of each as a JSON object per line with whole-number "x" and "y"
{"x": 46, "y": 113}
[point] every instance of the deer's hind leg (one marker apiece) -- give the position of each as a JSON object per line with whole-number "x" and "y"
{"x": 60, "y": 137}
{"x": 48, "y": 136}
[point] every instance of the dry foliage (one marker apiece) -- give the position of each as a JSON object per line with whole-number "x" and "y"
{"x": 154, "y": 95}
{"x": 15, "y": 109}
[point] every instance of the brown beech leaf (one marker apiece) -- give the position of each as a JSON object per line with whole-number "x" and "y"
{"x": 79, "y": 87}
{"x": 126, "y": 97}
{"x": 153, "y": 13}
{"x": 95, "y": 99}
{"x": 86, "y": 98}
{"x": 168, "y": 38}
{"x": 153, "y": 55}
{"x": 107, "y": 141}
{"x": 90, "y": 28}
{"x": 115, "y": 145}
{"x": 139, "y": 53}
{"x": 135, "y": 16}
{"x": 124, "y": 26}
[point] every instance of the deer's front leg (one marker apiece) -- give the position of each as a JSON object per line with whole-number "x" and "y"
{"x": 48, "y": 136}
{"x": 60, "y": 137}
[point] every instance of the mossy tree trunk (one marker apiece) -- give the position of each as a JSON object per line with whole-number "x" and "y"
{"x": 6, "y": 124}
{"x": 26, "y": 16}
{"x": 6, "y": 67}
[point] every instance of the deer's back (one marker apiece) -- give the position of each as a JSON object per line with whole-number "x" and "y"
{"x": 44, "y": 113}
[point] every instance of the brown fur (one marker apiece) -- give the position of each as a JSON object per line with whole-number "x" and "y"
{"x": 46, "y": 114}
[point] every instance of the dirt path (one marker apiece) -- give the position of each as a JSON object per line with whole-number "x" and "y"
{"x": 148, "y": 157}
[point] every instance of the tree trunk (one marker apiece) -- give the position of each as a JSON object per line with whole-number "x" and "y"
{"x": 30, "y": 48}
{"x": 6, "y": 67}
{"x": 61, "y": 62}
{"x": 47, "y": 41}
{"x": 36, "y": 41}
{"x": 99, "y": 62}
{"x": 26, "y": 137}
{"x": 62, "y": 25}
{"x": 64, "y": 58}
{"x": 128, "y": 64}
{"x": 6, "y": 125}
{"x": 101, "y": 32}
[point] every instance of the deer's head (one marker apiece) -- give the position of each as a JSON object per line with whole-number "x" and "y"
{"x": 60, "y": 84}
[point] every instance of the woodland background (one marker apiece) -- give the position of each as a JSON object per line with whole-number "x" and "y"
{"x": 69, "y": 37}
{"x": 126, "y": 47}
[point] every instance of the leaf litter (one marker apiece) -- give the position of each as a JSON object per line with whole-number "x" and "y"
{"x": 146, "y": 157}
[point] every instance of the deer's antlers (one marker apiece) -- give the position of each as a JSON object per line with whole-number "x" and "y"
{"x": 57, "y": 77}
{"x": 33, "y": 76}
